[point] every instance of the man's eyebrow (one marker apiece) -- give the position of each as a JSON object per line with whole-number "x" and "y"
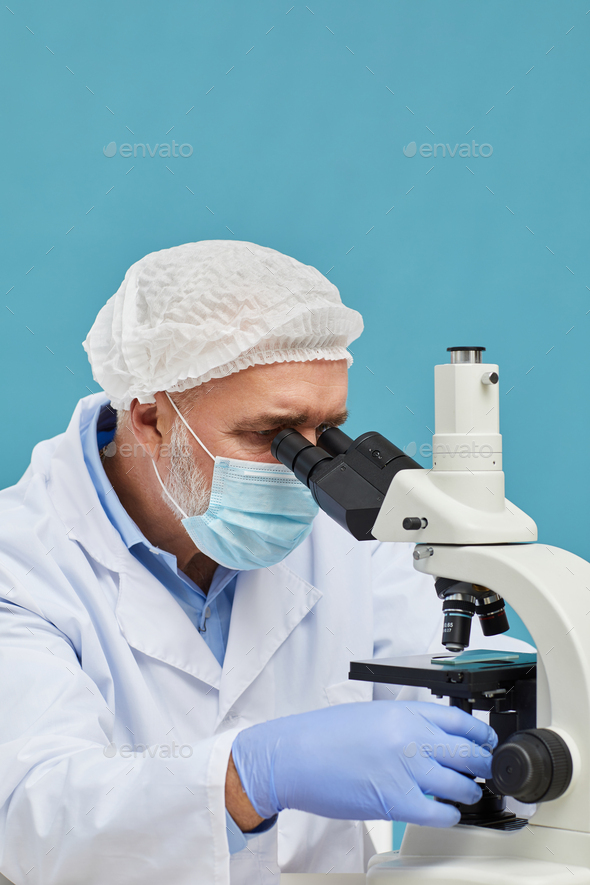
{"x": 271, "y": 420}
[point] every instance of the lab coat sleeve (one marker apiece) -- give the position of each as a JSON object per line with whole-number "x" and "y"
{"x": 72, "y": 813}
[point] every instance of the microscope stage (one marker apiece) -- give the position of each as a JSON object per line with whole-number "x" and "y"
{"x": 473, "y": 679}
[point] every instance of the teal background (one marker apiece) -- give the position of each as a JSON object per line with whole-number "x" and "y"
{"x": 297, "y": 116}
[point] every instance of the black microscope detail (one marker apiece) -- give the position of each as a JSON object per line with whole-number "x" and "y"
{"x": 507, "y": 690}
{"x": 530, "y": 764}
{"x": 460, "y": 602}
{"x": 348, "y": 478}
{"x": 533, "y": 765}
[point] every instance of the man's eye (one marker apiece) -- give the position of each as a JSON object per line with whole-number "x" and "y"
{"x": 266, "y": 434}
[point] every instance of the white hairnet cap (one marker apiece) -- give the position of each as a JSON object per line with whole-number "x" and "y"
{"x": 186, "y": 315}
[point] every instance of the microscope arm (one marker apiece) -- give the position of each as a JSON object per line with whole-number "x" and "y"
{"x": 527, "y": 577}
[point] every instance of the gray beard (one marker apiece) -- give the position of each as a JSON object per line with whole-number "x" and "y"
{"x": 185, "y": 482}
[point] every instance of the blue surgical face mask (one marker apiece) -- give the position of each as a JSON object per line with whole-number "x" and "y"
{"x": 258, "y": 513}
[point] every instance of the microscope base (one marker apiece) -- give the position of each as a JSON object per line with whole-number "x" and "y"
{"x": 474, "y": 871}
{"x": 478, "y": 856}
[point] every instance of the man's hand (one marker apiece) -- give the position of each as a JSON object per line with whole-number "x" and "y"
{"x": 237, "y": 802}
{"x": 365, "y": 761}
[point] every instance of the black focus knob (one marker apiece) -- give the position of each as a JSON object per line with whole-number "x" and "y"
{"x": 532, "y": 766}
{"x": 413, "y": 523}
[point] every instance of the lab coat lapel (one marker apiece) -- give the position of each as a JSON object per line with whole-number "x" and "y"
{"x": 268, "y": 605}
{"x": 150, "y": 618}
{"x": 153, "y": 623}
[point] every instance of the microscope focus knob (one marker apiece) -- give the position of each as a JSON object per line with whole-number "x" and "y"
{"x": 532, "y": 766}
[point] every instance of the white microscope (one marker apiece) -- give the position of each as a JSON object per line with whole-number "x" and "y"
{"x": 481, "y": 549}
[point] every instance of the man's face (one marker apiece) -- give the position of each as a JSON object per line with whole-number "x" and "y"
{"x": 238, "y": 416}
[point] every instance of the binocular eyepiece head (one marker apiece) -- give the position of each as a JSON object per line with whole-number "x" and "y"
{"x": 348, "y": 478}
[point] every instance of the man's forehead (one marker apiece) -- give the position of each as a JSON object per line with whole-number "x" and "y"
{"x": 280, "y": 394}
{"x": 283, "y": 383}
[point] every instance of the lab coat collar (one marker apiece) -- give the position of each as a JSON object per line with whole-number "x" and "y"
{"x": 73, "y": 494}
{"x": 268, "y": 604}
{"x": 150, "y": 618}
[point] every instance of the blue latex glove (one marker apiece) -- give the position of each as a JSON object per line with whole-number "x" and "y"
{"x": 366, "y": 761}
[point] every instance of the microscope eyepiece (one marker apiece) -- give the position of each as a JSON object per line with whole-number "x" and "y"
{"x": 297, "y": 453}
{"x": 334, "y": 441}
{"x": 290, "y": 444}
{"x": 466, "y": 354}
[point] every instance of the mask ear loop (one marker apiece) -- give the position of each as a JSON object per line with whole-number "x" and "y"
{"x": 157, "y": 472}
{"x": 188, "y": 427}
{"x": 165, "y": 490}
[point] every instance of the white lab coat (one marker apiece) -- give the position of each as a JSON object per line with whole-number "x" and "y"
{"x": 95, "y": 653}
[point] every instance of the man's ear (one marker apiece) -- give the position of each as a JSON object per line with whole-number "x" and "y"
{"x": 151, "y": 423}
{"x": 143, "y": 423}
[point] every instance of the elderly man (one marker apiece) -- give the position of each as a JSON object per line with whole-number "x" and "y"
{"x": 178, "y": 618}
